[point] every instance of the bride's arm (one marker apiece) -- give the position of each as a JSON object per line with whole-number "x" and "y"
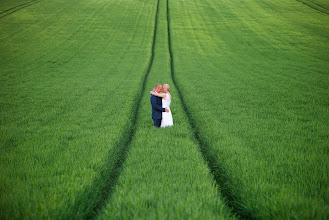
{"x": 163, "y": 95}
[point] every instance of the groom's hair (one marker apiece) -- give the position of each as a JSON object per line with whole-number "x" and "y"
{"x": 158, "y": 85}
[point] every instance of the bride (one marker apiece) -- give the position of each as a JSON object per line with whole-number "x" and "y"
{"x": 167, "y": 119}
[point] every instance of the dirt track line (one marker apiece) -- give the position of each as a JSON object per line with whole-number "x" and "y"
{"x": 319, "y": 8}
{"x": 106, "y": 180}
{"x": 18, "y": 7}
{"x": 215, "y": 167}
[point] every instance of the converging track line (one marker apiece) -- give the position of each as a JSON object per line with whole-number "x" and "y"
{"x": 215, "y": 168}
{"x": 117, "y": 156}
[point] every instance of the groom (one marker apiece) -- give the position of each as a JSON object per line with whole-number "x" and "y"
{"x": 157, "y": 107}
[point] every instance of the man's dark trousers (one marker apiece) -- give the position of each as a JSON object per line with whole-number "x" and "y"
{"x": 157, "y": 122}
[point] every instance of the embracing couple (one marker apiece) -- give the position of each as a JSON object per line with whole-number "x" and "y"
{"x": 160, "y": 100}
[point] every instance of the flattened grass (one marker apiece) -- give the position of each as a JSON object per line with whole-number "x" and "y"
{"x": 254, "y": 75}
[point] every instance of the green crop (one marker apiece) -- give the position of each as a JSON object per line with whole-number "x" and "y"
{"x": 254, "y": 79}
{"x": 249, "y": 85}
{"x": 164, "y": 176}
{"x": 70, "y": 72}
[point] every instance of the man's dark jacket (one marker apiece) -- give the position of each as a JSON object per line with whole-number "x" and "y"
{"x": 157, "y": 107}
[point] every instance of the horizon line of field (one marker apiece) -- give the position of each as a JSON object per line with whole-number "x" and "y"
{"x": 107, "y": 178}
{"x": 18, "y": 8}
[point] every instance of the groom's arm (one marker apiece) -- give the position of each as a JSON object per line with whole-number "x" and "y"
{"x": 156, "y": 106}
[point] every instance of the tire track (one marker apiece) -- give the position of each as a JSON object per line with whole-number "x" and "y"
{"x": 318, "y": 7}
{"x": 17, "y": 8}
{"x": 94, "y": 197}
{"x": 221, "y": 178}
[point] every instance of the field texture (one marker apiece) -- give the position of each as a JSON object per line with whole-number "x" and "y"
{"x": 67, "y": 68}
{"x": 164, "y": 176}
{"x": 259, "y": 100}
{"x": 249, "y": 84}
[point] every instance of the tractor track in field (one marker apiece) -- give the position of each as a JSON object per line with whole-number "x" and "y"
{"x": 318, "y": 8}
{"x": 106, "y": 180}
{"x": 216, "y": 169}
{"x": 17, "y": 8}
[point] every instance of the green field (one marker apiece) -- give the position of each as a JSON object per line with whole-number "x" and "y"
{"x": 250, "y": 87}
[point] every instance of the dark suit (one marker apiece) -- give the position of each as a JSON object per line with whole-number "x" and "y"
{"x": 157, "y": 110}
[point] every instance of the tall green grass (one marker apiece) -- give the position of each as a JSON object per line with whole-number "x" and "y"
{"x": 69, "y": 72}
{"x": 254, "y": 76}
{"x": 164, "y": 176}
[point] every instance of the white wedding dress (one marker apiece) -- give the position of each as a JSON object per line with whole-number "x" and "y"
{"x": 166, "y": 116}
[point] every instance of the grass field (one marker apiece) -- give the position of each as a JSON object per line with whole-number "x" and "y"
{"x": 164, "y": 176}
{"x": 64, "y": 69}
{"x": 259, "y": 102}
{"x": 250, "y": 87}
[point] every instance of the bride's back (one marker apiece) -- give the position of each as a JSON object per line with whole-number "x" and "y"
{"x": 166, "y": 102}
